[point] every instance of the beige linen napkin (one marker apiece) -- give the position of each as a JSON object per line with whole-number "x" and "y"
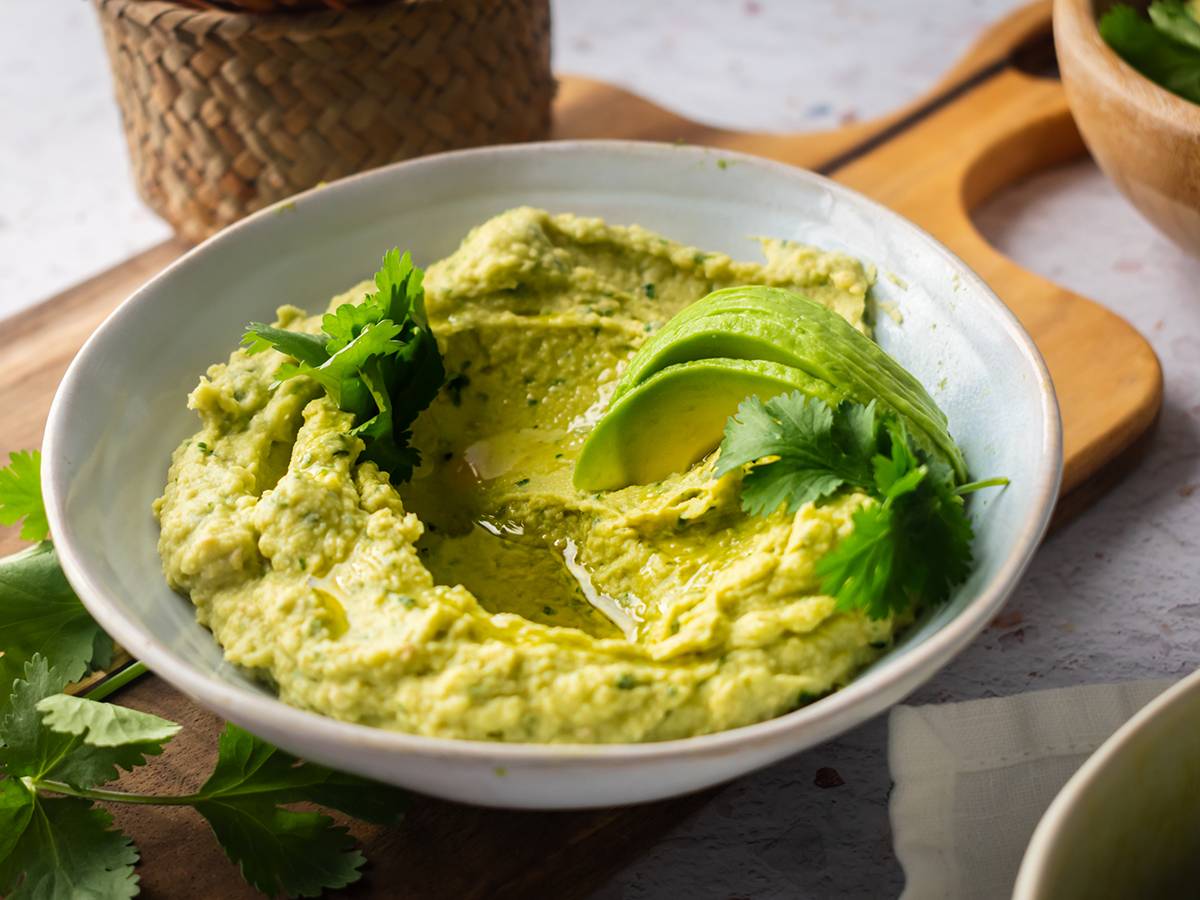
{"x": 973, "y": 779}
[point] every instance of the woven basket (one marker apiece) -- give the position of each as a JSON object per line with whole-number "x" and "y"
{"x": 269, "y": 5}
{"x": 227, "y": 112}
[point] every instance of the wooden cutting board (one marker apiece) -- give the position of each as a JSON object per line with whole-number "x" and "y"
{"x": 998, "y": 116}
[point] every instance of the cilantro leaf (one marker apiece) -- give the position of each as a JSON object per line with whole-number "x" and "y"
{"x": 280, "y": 850}
{"x": 858, "y": 570}
{"x": 413, "y": 379}
{"x": 40, "y": 613}
{"x": 812, "y": 451}
{"x": 68, "y": 848}
{"x": 855, "y": 430}
{"x": 16, "y": 808}
{"x": 377, "y": 360}
{"x": 108, "y": 738}
{"x": 48, "y": 735}
{"x": 26, "y": 748}
{"x": 1175, "y": 20}
{"x": 400, "y": 296}
{"x": 348, "y": 321}
{"x": 21, "y": 495}
{"x": 249, "y": 767}
{"x": 357, "y": 797}
{"x": 389, "y": 451}
{"x": 102, "y": 651}
{"x": 405, "y": 382}
{"x": 401, "y": 289}
{"x": 299, "y": 854}
{"x": 339, "y": 374}
{"x": 60, "y": 745}
{"x": 911, "y": 545}
{"x": 52, "y": 848}
{"x": 103, "y": 724}
{"x": 1153, "y": 52}
{"x": 891, "y": 470}
{"x": 934, "y": 539}
{"x": 307, "y": 348}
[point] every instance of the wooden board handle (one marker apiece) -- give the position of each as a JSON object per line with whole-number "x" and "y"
{"x": 937, "y": 172}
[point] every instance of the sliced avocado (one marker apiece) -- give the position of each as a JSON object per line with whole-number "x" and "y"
{"x": 732, "y": 335}
{"x": 736, "y": 334}
{"x": 755, "y": 322}
{"x": 677, "y": 415}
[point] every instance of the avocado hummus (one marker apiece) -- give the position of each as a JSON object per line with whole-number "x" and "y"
{"x": 487, "y": 598}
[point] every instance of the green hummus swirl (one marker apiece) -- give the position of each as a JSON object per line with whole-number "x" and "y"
{"x": 487, "y": 599}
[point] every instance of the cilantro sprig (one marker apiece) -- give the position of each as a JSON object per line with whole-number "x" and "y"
{"x": 58, "y": 750}
{"x": 913, "y": 545}
{"x": 1178, "y": 20}
{"x": 377, "y": 360}
{"x": 814, "y": 451}
{"x": 21, "y": 495}
{"x": 1165, "y": 48}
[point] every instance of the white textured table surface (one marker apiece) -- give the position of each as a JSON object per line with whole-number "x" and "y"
{"x": 1114, "y": 596}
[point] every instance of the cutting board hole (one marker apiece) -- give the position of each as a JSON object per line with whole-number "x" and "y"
{"x": 1035, "y": 56}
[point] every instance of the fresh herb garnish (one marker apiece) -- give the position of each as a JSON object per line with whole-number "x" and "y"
{"x": 1178, "y": 20}
{"x": 377, "y": 359}
{"x": 40, "y": 613}
{"x": 38, "y": 610}
{"x": 1165, "y": 49}
{"x": 911, "y": 546}
{"x": 815, "y": 452}
{"x": 21, "y": 495}
{"x": 57, "y": 750}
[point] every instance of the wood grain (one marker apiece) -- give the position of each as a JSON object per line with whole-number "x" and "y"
{"x": 985, "y": 126}
{"x": 1107, "y": 378}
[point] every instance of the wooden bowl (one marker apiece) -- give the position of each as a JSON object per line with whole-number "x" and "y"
{"x": 1145, "y": 138}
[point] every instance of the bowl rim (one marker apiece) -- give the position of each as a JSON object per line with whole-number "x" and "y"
{"x": 1106, "y": 66}
{"x": 1048, "y": 836}
{"x": 916, "y": 666}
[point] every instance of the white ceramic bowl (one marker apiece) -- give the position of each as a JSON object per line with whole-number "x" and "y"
{"x": 120, "y": 411}
{"x": 1127, "y": 824}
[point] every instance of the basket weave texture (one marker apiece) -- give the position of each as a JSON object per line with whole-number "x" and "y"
{"x": 270, "y": 5}
{"x": 225, "y": 113}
